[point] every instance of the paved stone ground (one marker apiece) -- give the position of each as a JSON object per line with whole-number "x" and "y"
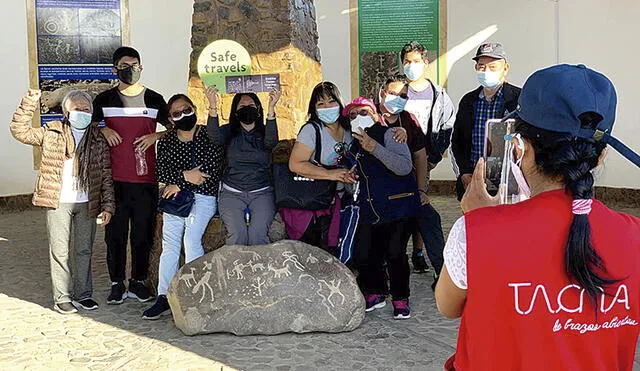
{"x": 32, "y": 336}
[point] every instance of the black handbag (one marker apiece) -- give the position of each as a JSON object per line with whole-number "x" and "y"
{"x": 293, "y": 191}
{"x": 182, "y": 203}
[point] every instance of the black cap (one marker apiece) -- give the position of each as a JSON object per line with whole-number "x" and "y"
{"x": 492, "y": 50}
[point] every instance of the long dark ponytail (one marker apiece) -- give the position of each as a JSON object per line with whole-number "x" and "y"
{"x": 568, "y": 159}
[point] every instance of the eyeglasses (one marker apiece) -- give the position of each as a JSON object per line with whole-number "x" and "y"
{"x": 341, "y": 147}
{"x": 362, "y": 112}
{"x": 493, "y": 67}
{"x": 178, "y": 115}
{"x": 344, "y": 151}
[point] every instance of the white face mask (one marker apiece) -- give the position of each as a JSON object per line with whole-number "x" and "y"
{"x": 524, "y": 191}
{"x": 361, "y": 122}
{"x": 414, "y": 71}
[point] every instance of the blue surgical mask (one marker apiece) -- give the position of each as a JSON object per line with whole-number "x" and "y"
{"x": 413, "y": 70}
{"x": 394, "y": 103}
{"x": 489, "y": 79}
{"x": 79, "y": 120}
{"x": 328, "y": 115}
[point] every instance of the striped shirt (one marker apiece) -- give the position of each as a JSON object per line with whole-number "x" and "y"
{"x": 485, "y": 110}
{"x": 131, "y": 117}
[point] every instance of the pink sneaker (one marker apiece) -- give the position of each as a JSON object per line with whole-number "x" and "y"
{"x": 374, "y": 301}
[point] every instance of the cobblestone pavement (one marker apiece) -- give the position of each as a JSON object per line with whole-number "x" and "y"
{"x": 33, "y": 336}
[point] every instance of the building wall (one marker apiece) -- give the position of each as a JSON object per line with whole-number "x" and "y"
{"x": 536, "y": 34}
{"x": 160, "y": 30}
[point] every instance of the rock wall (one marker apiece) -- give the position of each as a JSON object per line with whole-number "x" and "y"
{"x": 280, "y": 35}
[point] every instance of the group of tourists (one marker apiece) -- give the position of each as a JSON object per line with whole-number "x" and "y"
{"x": 99, "y": 163}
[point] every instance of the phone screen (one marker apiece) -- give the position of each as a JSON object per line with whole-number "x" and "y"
{"x": 496, "y": 155}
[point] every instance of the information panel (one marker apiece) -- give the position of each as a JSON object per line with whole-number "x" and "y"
{"x": 71, "y": 46}
{"x": 384, "y": 27}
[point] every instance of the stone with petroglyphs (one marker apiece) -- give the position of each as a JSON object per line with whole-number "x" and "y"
{"x": 287, "y": 286}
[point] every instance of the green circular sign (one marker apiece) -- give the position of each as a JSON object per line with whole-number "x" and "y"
{"x": 223, "y": 58}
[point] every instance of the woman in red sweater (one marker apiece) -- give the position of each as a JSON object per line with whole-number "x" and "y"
{"x": 551, "y": 283}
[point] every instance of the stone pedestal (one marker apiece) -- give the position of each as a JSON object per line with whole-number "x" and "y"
{"x": 280, "y": 35}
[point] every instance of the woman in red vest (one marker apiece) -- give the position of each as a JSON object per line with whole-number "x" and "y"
{"x": 551, "y": 283}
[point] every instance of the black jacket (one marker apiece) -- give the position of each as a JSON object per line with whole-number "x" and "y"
{"x": 461, "y": 140}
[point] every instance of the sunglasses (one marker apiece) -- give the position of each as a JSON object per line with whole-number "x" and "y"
{"x": 362, "y": 112}
{"x": 179, "y": 115}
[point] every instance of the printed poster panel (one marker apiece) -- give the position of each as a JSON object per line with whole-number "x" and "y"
{"x": 252, "y": 83}
{"x": 384, "y": 27}
{"x": 220, "y": 59}
{"x": 71, "y": 46}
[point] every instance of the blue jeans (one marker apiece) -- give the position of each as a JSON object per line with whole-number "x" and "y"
{"x": 430, "y": 227}
{"x": 176, "y": 230}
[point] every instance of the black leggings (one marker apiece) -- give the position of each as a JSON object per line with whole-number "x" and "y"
{"x": 380, "y": 242}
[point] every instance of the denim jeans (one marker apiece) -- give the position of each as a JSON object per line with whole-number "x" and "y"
{"x": 176, "y": 231}
{"x": 430, "y": 227}
{"x": 71, "y": 274}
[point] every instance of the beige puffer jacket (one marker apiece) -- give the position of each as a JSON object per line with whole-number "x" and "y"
{"x": 58, "y": 145}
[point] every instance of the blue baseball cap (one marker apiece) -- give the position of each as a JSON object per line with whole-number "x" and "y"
{"x": 554, "y": 98}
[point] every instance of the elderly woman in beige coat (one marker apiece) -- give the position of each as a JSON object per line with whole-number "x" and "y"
{"x": 75, "y": 185}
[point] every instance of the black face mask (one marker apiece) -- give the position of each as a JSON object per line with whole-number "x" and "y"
{"x": 129, "y": 76}
{"x": 247, "y": 115}
{"x": 186, "y": 123}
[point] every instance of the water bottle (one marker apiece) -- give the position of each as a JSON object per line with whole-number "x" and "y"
{"x": 141, "y": 161}
{"x": 247, "y": 216}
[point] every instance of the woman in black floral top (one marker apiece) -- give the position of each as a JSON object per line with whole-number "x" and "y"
{"x": 187, "y": 160}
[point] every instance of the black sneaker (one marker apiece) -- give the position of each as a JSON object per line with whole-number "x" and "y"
{"x": 86, "y": 304}
{"x": 159, "y": 309}
{"x": 118, "y": 293}
{"x": 419, "y": 263}
{"x": 65, "y": 308}
{"x": 138, "y": 290}
{"x": 435, "y": 283}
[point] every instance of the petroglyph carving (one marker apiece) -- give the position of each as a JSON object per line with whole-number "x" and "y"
{"x": 279, "y": 272}
{"x": 292, "y": 258}
{"x": 312, "y": 259}
{"x": 334, "y": 289}
{"x": 204, "y": 285}
{"x": 255, "y": 267}
{"x": 259, "y": 285}
{"x": 188, "y": 277}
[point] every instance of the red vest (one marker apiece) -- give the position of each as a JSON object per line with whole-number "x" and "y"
{"x": 523, "y": 313}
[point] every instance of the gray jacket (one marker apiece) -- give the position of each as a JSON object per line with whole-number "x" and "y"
{"x": 248, "y": 154}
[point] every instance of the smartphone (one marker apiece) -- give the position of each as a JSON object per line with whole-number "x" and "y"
{"x": 496, "y": 155}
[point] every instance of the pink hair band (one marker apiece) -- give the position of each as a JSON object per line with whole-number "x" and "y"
{"x": 581, "y": 207}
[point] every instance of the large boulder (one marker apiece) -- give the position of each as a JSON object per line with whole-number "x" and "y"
{"x": 287, "y": 286}
{"x": 214, "y": 237}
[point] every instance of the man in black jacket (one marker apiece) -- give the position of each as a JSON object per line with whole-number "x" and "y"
{"x": 493, "y": 99}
